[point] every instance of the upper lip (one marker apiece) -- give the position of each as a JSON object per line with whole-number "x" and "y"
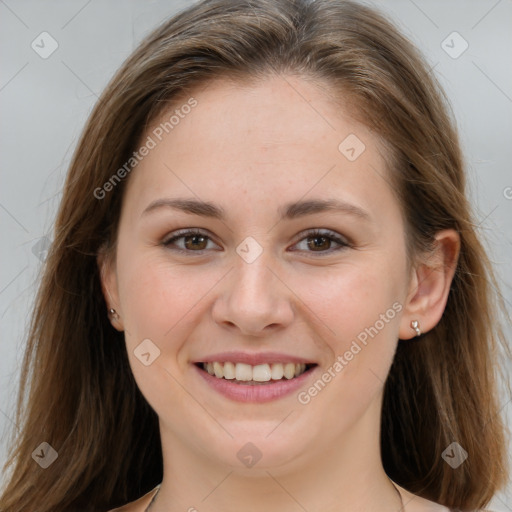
{"x": 254, "y": 358}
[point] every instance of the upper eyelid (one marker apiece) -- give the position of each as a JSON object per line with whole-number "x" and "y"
{"x": 181, "y": 233}
{"x": 188, "y": 231}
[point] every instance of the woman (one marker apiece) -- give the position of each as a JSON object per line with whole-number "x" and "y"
{"x": 266, "y": 291}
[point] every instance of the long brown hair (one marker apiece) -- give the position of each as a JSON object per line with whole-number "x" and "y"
{"x": 77, "y": 391}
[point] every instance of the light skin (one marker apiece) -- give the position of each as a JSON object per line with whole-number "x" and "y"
{"x": 251, "y": 150}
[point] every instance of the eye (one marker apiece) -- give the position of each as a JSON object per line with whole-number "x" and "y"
{"x": 192, "y": 241}
{"x": 317, "y": 240}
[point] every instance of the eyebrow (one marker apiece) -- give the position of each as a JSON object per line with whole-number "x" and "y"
{"x": 290, "y": 211}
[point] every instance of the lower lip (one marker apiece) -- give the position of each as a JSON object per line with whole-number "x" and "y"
{"x": 258, "y": 393}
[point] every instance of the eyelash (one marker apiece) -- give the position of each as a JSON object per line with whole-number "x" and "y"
{"x": 312, "y": 233}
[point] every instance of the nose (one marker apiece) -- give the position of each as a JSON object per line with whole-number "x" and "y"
{"x": 254, "y": 299}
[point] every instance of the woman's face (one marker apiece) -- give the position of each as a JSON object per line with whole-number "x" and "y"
{"x": 258, "y": 287}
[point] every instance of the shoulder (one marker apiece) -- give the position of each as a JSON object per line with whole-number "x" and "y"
{"x": 137, "y": 505}
{"x": 416, "y": 503}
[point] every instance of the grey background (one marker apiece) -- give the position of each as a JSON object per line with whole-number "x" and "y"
{"x": 44, "y": 104}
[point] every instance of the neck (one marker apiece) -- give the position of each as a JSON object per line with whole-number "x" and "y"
{"x": 346, "y": 475}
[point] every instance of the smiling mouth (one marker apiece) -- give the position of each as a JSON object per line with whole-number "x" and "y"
{"x": 261, "y": 374}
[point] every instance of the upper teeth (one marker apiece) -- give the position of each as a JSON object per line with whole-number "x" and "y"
{"x": 258, "y": 373}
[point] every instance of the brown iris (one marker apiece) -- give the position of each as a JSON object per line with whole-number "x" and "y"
{"x": 194, "y": 242}
{"x": 318, "y": 246}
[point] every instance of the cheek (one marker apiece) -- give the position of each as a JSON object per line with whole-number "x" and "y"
{"x": 352, "y": 297}
{"x": 161, "y": 303}
{"x": 358, "y": 308}
{"x": 157, "y": 296}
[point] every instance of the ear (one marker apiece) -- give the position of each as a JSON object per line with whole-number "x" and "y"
{"x": 430, "y": 285}
{"x": 108, "y": 278}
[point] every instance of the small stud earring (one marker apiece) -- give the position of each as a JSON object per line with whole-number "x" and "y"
{"x": 113, "y": 313}
{"x": 416, "y": 326}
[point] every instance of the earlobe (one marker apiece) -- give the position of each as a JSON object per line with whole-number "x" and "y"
{"x": 430, "y": 286}
{"x": 108, "y": 281}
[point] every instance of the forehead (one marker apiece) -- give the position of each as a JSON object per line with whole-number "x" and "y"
{"x": 272, "y": 115}
{"x": 277, "y": 138}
